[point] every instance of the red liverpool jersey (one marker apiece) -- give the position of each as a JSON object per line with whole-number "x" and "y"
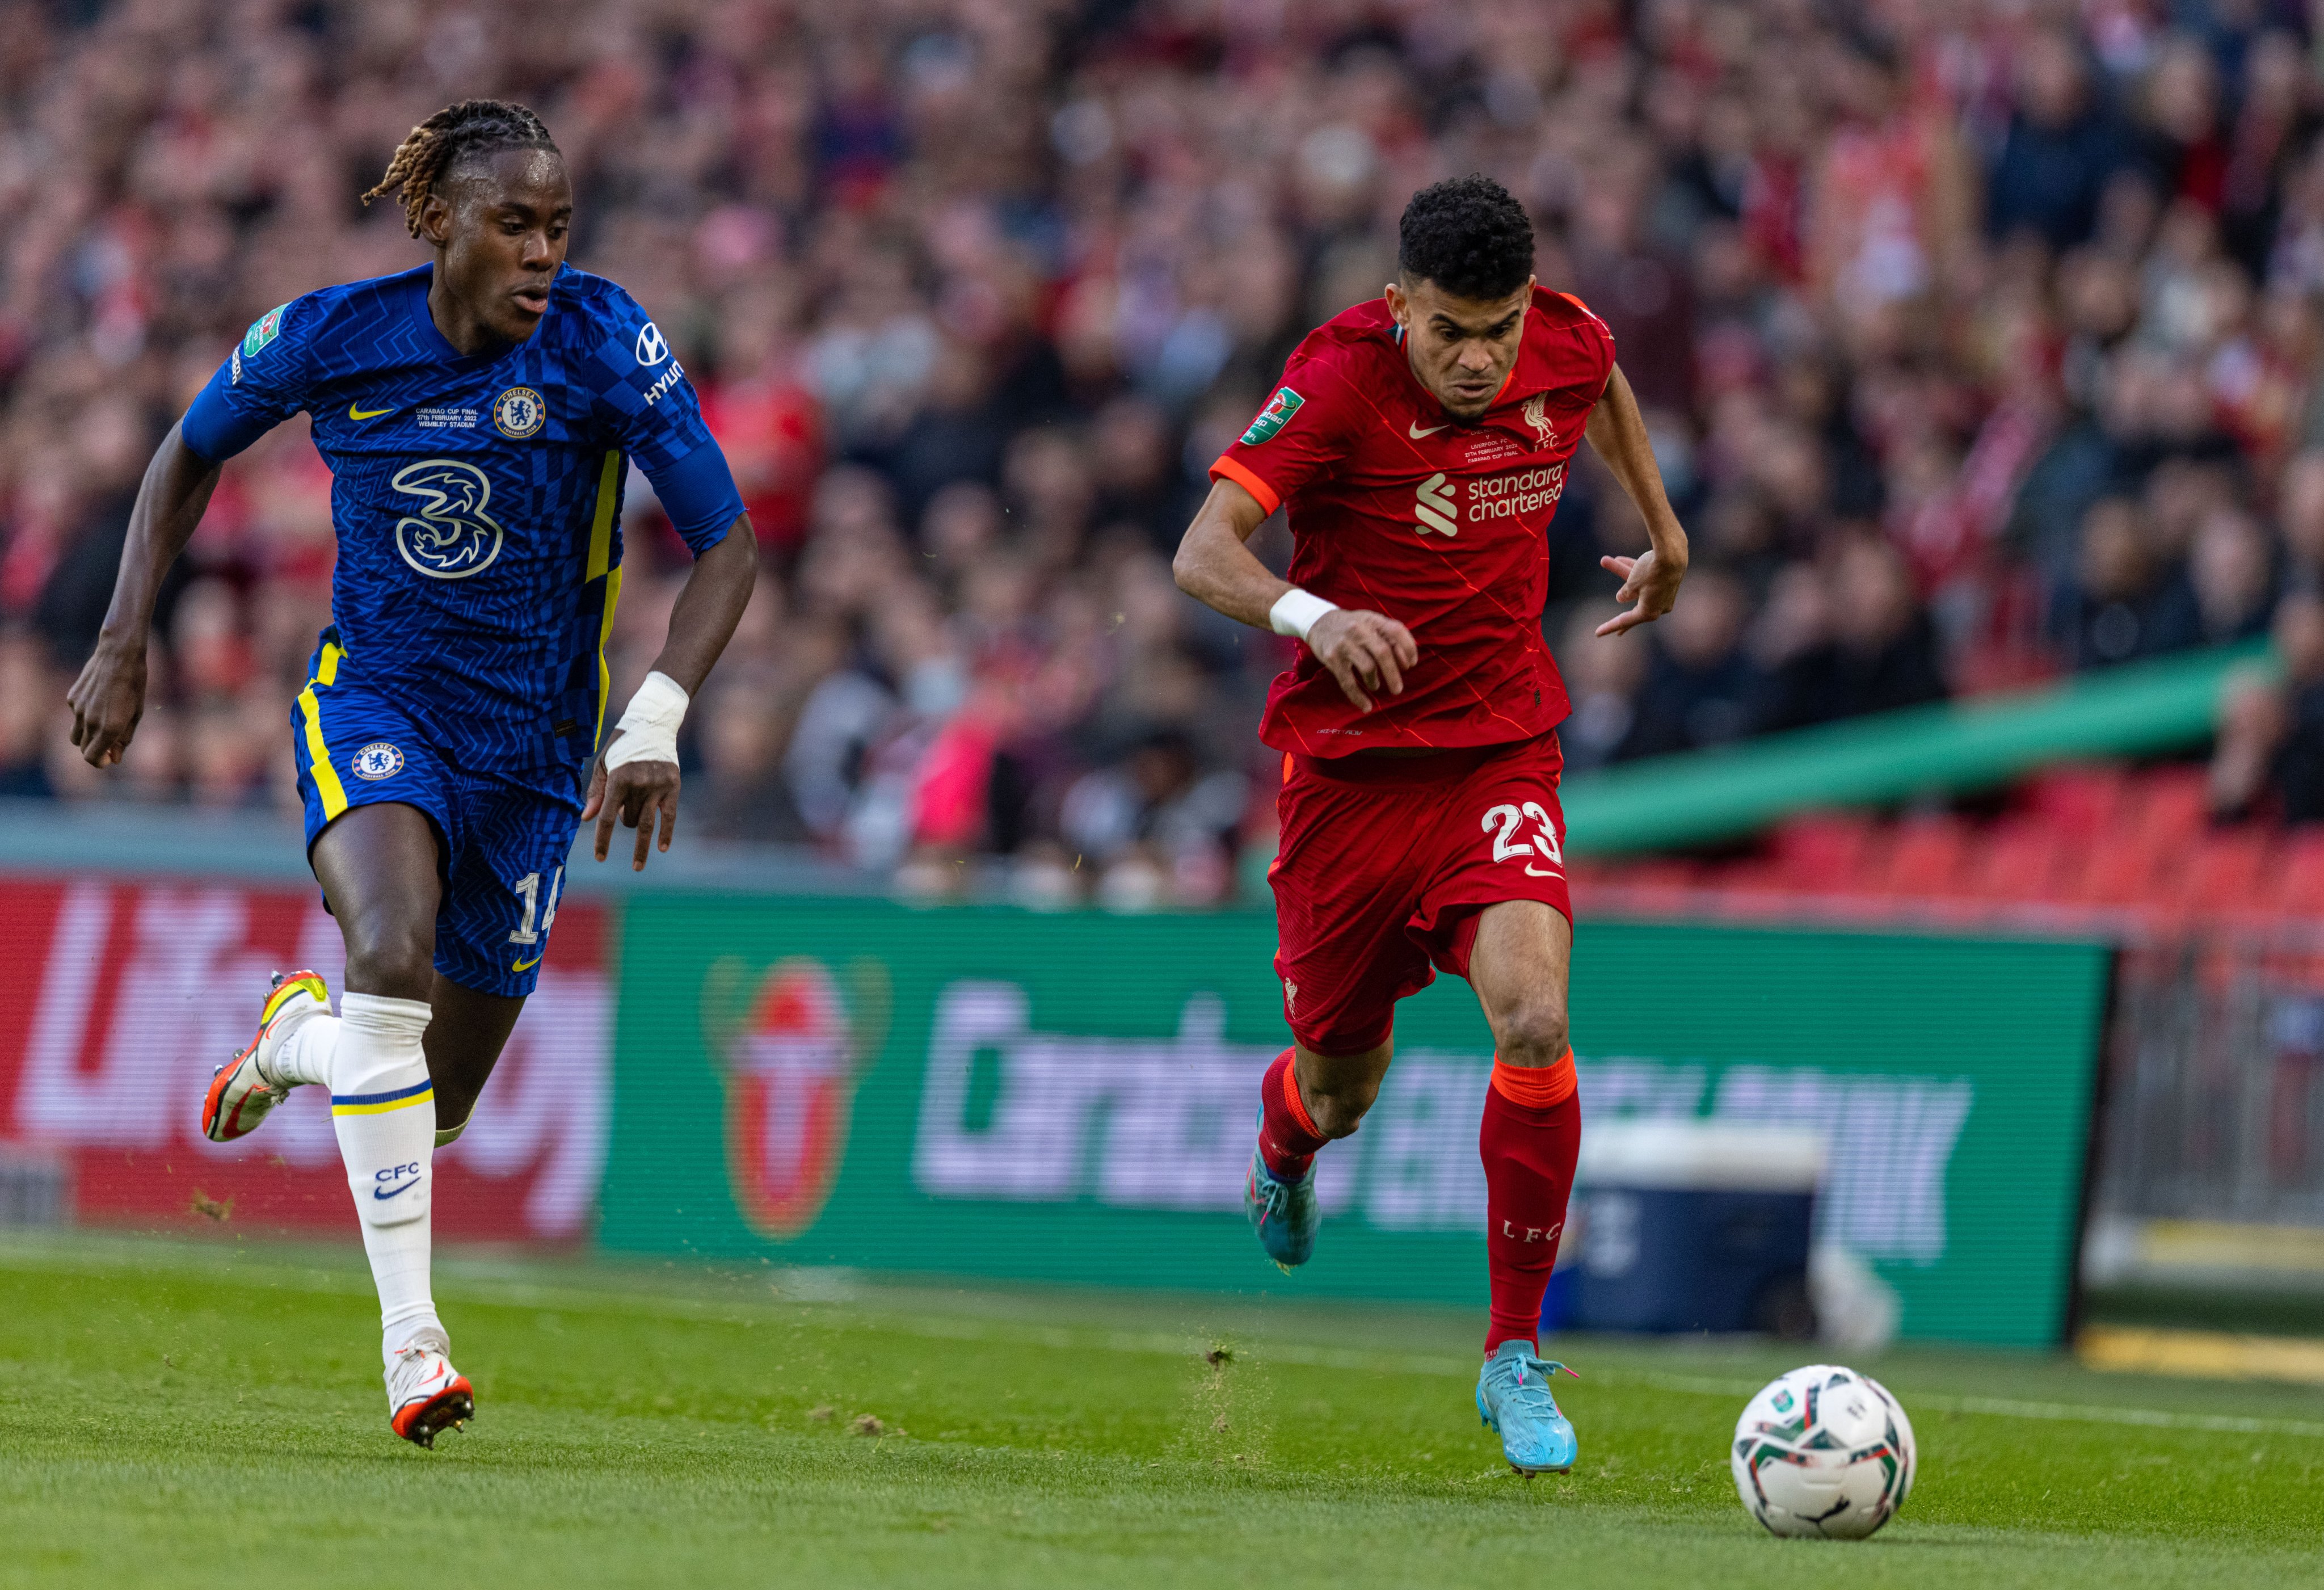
{"x": 1397, "y": 507}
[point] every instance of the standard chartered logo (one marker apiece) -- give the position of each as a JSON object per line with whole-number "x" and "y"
{"x": 449, "y": 536}
{"x": 1011, "y": 1113}
{"x": 1518, "y": 494}
{"x": 1436, "y": 505}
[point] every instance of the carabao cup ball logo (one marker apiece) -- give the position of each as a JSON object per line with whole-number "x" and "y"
{"x": 793, "y": 1047}
{"x": 449, "y": 536}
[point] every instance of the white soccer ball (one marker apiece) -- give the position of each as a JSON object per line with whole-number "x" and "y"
{"x": 1823, "y": 1451}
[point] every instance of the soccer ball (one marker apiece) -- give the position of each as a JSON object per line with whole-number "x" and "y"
{"x": 1823, "y": 1451}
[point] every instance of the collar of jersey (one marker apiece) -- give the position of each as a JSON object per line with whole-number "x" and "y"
{"x": 420, "y": 278}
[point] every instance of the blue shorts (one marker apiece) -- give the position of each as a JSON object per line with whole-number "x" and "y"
{"x": 504, "y": 840}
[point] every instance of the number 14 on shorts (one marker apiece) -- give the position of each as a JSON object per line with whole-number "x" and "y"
{"x": 1507, "y": 846}
{"x": 528, "y": 888}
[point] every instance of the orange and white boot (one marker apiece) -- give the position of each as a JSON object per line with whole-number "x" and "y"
{"x": 244, "y": 1089}
{"x": 425, "y": 1394}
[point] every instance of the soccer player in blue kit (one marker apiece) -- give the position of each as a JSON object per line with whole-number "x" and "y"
{"x": 478, "y": 415}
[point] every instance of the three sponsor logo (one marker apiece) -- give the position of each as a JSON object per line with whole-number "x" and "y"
{"x": 449, "y": 536}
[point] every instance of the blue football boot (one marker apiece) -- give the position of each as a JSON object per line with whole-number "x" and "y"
{"x": 1513, "y": 1399}
{"x": 1283, "y": 1213}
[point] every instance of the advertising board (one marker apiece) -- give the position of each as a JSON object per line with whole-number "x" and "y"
{"x": 984, "y": 1091}
{"x": 122, "y": 999}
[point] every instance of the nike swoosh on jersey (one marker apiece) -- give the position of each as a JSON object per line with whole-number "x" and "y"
{"x": 526, "y": 965}
{"x": 398, "y": 1193}
{"x": 1415, "y": 431}
{"x": 355, "y": 414}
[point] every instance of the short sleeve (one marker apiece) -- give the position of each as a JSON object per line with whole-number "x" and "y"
{"x": 1299, "y": 436}
{"x": 1598, "y": 337}
{"x": 262, "y": 382}
{"x": 643, "y": 395}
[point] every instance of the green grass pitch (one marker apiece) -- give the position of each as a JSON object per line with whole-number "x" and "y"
{"x": 193, "y": 1415}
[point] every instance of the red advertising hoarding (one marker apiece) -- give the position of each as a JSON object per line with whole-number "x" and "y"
{"x": 119, "y": 999}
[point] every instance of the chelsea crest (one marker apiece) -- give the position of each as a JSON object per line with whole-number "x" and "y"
{"x": 379, "y": 760}
{"x": 518, "y": 412}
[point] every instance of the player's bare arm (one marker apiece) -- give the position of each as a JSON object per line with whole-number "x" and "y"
{"x": 637, "y": 790}
{"x": 1618, "y": 432}
{"x": 109, "y": 696}
{"x": 1366, "y": 651}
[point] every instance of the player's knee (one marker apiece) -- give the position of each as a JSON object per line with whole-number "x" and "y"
{"x": 1338, "y": 1110}
{"x": 395, "y": 960}
{"x": 1533, "y": 1034}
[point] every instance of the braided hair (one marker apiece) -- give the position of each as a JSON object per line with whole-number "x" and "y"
{"x": 431, "y": 149}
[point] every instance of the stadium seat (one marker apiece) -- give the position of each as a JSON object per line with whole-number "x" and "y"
{"x": 1823, "y": 853}
{"x": 1929, "y": 858}
{"x": 2022, "y": 860}
{"x": 2083, "y": 796}
{"x": 2294, "y": 884}
{"x": 2222, "y": 875}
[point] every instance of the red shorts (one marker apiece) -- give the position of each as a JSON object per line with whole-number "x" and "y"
{"x": 1385, "y": 863}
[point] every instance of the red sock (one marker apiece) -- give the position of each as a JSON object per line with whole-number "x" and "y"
{"x": 1288, "y": 1138}
{"x": 1531, "y": 1135}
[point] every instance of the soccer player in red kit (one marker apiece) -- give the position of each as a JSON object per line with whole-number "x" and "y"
{"x": 1419, "y": 443}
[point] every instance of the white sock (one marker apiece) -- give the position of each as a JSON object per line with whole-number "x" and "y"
{"x": 383, "y": 1109}
{"x": 305, "y": 1055}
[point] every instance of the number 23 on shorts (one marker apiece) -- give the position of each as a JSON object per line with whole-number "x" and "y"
{"x": 1507, "y": 846}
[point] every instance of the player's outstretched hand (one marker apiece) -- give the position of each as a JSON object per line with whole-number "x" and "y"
{"x": 1647, "y": 582}
{"x": 106, "y": 701}
{"x": 1365, "y": 651}
{"x": 634, "y": 792}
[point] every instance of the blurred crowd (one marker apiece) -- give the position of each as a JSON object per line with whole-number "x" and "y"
{"x": 1977, "y": 337}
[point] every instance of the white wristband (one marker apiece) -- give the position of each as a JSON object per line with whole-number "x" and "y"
{"x": 648, "y": 731}
{"x": 1296, "y": 611}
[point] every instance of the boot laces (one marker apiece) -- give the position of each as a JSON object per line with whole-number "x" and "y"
{"x": 1527, "y": 1391}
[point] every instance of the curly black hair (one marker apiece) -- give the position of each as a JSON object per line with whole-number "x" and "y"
{"x": 1469, "y": 235}
{"x": 472, "y": 126}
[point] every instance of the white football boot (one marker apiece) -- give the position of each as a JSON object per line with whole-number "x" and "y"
{"x": 244, "y": 1089}
{"x": 425, "y": 1394}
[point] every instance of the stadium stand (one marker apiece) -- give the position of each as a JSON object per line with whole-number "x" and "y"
{"x": 1979, "y": 342}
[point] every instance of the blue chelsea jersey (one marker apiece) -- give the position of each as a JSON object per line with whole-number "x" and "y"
{"x": 477, "y": 499}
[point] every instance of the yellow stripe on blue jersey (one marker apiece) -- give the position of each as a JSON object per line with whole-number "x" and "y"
{"x": 601, "y": 567}
{"x": 319, "y": 750}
